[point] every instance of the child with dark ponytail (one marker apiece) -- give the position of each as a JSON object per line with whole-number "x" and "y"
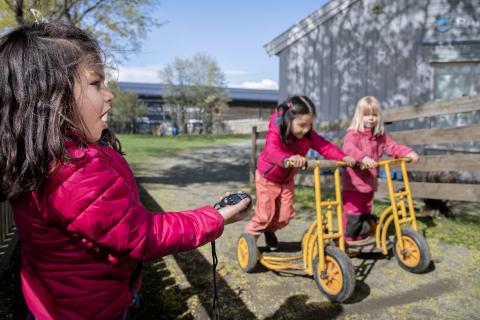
{"x": 290, "y": 135}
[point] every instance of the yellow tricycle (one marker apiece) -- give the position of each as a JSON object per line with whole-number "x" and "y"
{"x": 330, "y": 266}
{"x": 409, "y": 247}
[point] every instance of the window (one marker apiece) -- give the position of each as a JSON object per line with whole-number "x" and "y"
{"x": 455, "y": 80}
{"x": 452, "y": 80}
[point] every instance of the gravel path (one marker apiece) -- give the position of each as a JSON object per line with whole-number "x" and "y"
{"x": 451, "y": 290}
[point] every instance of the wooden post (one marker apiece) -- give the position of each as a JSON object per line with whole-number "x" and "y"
{"x": 253, "y": 155}
{"x": 8, "y": 237}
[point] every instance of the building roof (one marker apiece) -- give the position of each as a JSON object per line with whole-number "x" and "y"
{"x": 307, "y": 25}
{"x": 155, "y": 89}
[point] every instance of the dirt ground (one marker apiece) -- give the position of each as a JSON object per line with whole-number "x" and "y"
{"x": 181, "y": 285}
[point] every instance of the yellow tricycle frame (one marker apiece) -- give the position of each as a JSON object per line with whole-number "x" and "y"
{"x": 316, "y": 237}
{"x": 397, "y": 211}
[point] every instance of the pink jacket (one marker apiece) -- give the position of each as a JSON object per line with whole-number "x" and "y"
{"x": 360, "y": 144}
{"x": 270, "y": 161}
{"x": 84, "y": 232}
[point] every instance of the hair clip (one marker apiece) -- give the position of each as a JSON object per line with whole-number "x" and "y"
{"x": 289, "y": 104}
{"x": 38, "y": 16}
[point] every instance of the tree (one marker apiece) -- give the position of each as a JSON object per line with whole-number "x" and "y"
{"x": 195, "y": 82}
{"x": 126, "y": 108}
{"x": 118, "y": 25}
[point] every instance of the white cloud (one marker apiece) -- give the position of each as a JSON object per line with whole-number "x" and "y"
{"x": 264, "y": 84}
{"x": 138, "y": 74}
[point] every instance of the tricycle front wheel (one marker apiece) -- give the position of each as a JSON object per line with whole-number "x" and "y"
{"x": 415, "y": 256}
{"x": 337, "y": 280}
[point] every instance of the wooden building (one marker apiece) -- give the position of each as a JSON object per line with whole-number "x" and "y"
{"x": 403, "y": 52}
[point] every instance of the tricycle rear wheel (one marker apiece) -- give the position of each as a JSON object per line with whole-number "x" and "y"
{"x": 247, "y": 252}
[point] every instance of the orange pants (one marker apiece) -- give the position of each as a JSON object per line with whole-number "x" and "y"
{"x": 274, "y": 207}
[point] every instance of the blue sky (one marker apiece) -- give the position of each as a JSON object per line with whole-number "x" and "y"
{"x": 233, "y": 32}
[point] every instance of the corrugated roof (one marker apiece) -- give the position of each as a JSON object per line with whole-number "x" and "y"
{"x": 154, "y": 89}
{"x": 307, "y": 25}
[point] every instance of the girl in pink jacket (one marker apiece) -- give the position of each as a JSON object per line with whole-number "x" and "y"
{"x": 83, "y": 230}
{"x": 290, "y": 136}
{"x": 365, "y": 141}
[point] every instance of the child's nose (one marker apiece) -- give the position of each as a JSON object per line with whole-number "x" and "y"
{"x": 108, "y": 96}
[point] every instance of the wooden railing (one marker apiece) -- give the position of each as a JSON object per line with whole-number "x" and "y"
{"x": 8, "y": 236}
{"x": 448, "y": 162}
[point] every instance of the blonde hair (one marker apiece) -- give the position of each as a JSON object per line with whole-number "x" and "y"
{"x": 365, "y": 106}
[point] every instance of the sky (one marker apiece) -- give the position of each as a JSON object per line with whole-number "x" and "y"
{"x": 232, "y": 32}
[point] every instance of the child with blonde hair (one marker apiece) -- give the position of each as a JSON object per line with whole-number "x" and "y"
{"x": 365, "y": 141}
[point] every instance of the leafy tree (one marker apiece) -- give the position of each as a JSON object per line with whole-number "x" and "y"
{"x": 195, "y": 82}
{"x": 119, "y": 25}
{"x": 126, "y": 108}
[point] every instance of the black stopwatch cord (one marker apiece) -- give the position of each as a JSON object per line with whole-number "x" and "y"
{"x": 215, "y": 303}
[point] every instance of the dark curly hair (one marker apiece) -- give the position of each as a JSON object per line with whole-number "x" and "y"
{"x": 40, "y": 63}
{"x": 289, "y": 110}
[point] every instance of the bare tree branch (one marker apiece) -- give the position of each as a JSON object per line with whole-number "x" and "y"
{"x": 87, "y": 11}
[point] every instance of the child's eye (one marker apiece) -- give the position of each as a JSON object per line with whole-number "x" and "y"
{"x": 95, "y": 83}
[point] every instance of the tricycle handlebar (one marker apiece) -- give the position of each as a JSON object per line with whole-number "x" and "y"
{"x": 332, "y": 164}
{"x": 314, "y": 163}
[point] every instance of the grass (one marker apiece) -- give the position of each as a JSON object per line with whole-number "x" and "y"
{"x": 461, "y": 229}
{"x": 146, "y": 148}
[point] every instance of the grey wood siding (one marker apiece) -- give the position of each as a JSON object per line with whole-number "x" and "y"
{"x": 388, "y": 55}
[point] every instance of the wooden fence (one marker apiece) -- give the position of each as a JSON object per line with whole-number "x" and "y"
{"x": 8, "y": 236}
{"x": 449, "y": 161}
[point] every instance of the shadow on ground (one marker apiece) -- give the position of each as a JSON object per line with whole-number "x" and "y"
{"x": 201, "y": 170}
{"x": 163, "y": 297}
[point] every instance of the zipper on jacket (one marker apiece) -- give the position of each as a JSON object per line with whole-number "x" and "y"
{"x": 264, "y": 173}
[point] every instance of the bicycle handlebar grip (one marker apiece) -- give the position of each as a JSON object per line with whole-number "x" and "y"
{"x": 313, "y": 163}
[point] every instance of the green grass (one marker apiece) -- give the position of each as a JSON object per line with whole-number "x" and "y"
{"x": 461, "y": 229}
{"x": 146, "y": 148}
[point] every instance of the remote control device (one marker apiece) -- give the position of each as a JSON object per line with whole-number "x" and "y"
{"x": 232, "y": 199}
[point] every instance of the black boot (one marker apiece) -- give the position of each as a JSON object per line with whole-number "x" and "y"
{"x": 359, "y": 225}
{"x": 271, "y": 240}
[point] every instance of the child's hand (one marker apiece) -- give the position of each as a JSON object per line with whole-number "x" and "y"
{"x": 235, "y": 212}
{"x": 298, "y": 161}
{"x": 349, "y": 161}
{"x": 369, "y": 163}
{"x": 414, "y": 156}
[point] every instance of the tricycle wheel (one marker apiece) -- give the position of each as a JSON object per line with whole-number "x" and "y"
{"x": 247, "y": 252}
{"x": 337, "y": 281}
{"x": 415, "y": 256}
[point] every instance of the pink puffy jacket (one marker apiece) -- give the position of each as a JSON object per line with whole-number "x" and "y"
{"x": 361, "y": 144}
{"x": 270, "y": 161}
{"x": 84, "y": 232}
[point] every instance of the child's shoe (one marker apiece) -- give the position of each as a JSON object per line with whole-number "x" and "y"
{"x": 271, "y": 240}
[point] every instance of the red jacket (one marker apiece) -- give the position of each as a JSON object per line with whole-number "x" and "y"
{"x": 270, "y": 161}
{"x": 84, "y": 232}
{"x": 361, "y": 144}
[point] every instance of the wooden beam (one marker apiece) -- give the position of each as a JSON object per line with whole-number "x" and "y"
{"x": 428, "y": 109}
{"x": 437, "y": 135}
{"x": 446, "y": 162}
{"x": 420, "y": 190}
{"x": 253, "y": 155}
{"x": 442, "y": 191}
{"x": 433, "y": 108}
